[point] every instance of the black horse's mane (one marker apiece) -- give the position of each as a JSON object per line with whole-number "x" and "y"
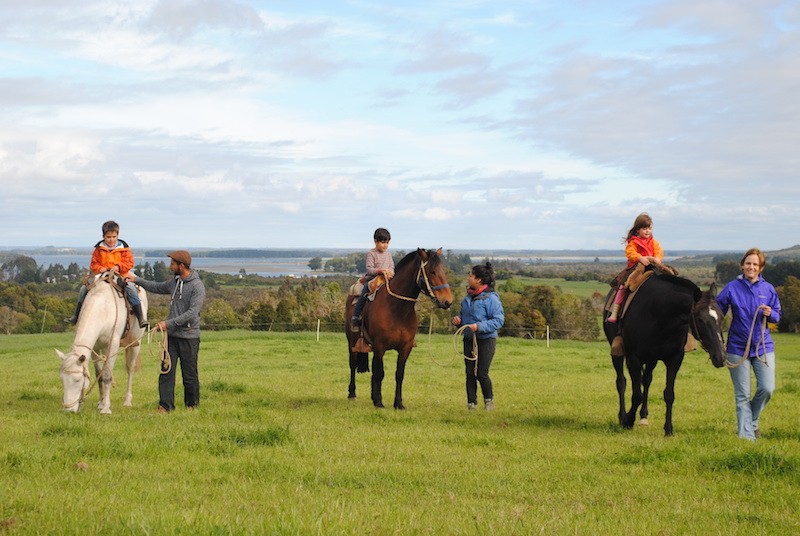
{"x": 683, "y": 282}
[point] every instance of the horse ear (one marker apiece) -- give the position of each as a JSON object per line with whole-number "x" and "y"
{"x": 713, "y": 289}
{"x": 59, "y": 354}
{"x": 439, "y": 251}
{"x": 423, "y": 254}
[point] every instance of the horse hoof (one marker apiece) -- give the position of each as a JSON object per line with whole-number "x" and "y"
{"x": 105, "y": 411}
{"x": 351, "y": 397}
{"x": 644, "y": 422}
{"x": 378, "y": 404}
{"x": 399, "y": 406}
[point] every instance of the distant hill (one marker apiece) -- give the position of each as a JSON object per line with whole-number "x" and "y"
{"x": 681, "y": 256}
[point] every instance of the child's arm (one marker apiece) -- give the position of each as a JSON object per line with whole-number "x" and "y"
{"x": 126, "y": 261}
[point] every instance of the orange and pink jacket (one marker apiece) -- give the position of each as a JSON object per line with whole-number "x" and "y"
{"x": 639, "y": 247}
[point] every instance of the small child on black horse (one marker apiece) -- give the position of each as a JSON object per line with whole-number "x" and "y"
{"x": 643, "y": 252}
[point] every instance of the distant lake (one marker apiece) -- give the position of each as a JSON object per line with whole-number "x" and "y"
{"x": 267, "y": 267}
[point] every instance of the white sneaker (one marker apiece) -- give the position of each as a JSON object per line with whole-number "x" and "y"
{"x": 489, "y": 404}
{"x": 472, "y": 406}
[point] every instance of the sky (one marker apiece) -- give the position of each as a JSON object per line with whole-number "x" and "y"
{"x": 463, "y": 124}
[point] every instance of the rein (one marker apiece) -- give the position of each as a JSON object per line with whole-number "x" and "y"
{"x": 762, "y": 342}
{"x": 428, "y": 290}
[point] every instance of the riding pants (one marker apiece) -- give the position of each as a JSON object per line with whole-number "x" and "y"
{"x": 486, "y": 348}
{"x": 749, "y": 410}
{"x": 185, "y": 351}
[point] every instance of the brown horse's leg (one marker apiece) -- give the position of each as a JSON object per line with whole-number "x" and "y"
{"x": 399, "y": 374}
{"x": 377, "y": 377}
{"x": 351, "y": 389}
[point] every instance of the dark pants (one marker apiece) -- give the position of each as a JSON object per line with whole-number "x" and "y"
{"x": 185, "y": 351}
{"x": 362, "y": 298}
{"x": 486, "y": 349}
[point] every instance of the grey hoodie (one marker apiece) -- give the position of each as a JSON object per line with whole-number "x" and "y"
{"x": 184, "y": 307}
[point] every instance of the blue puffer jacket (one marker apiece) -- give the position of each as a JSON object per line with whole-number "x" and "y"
{"x": 484, "y": 309}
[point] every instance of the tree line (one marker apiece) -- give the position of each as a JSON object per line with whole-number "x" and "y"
{"x": 34, "y": 299}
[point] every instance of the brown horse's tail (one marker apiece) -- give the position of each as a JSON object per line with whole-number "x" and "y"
{"x": 362, "y": 362}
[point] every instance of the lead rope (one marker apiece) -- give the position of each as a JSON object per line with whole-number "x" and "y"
{"x": 762, "y": 342}
{"x": 460, "y": 331}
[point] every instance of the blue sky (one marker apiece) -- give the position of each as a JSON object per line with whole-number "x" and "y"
{"x": 468, "y": 125}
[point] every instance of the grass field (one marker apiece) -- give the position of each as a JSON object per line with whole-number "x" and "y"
{"x": 276, "y": 447}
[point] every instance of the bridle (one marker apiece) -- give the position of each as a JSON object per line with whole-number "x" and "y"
{"x": 427, "y": 289}
{"x": 87, "y": 380}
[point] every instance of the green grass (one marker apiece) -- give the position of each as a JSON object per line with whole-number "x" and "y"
{"x": 276, "y": 447}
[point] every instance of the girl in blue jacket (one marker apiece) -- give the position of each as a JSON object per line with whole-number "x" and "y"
{"x": 482, "y": 315}
{"x": 751, "y": 299}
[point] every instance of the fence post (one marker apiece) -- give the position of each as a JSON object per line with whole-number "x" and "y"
{"x": 318, "y": 322}
{"x": 548, "y": 335}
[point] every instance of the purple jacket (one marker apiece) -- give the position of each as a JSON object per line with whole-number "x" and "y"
{"x": 743, "y": 298}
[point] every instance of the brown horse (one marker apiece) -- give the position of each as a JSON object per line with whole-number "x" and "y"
{"x": 390, "y": 320}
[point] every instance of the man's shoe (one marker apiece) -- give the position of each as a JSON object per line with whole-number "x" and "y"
{"x": 472, "y": 406}
{"x": 489, "y": 404}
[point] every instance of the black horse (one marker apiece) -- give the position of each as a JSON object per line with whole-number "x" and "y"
{"x": 390, "y": 320}
{"x": 656, "y": 327}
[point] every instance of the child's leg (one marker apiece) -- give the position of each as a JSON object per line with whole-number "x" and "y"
{"x": 618, "y": 299}
{"x": 362, "y": 299}
{"x": 81, "y": 296}
{"x": 136, "y": 304}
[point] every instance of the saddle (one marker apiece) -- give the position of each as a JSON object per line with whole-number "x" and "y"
{"x": 374, "y": 284}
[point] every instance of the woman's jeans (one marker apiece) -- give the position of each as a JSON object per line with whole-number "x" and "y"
{"x": 748, "y": 411}
{"x": 486, "y": 348}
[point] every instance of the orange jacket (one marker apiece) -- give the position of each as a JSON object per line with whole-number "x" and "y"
{"x": 104, "y": 258}
{"x": 639, "y": 247}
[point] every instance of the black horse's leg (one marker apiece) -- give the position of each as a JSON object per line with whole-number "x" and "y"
{"x": 635, "y": 371}
{"x": 619, "y": 364}
{"x": 669, "y": 392}
{"x": 351, "y": 389}
{"x": 398, "y": 378}
{"x": 377, "y": 378}
{"x": 647, "y": 379}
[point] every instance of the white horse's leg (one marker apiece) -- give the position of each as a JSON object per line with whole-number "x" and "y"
{"x": 106, "y": 379}
{"x": 132, "y": 365}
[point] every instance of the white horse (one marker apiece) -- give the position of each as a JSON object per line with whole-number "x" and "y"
{"x": 98, "y": 338}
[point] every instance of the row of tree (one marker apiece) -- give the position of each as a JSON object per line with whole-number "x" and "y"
{"x": 259, "y": 303}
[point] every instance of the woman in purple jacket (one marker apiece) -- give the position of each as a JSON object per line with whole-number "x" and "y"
{"x": 752, "y": 301}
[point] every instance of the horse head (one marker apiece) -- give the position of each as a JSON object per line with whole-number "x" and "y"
{"x": 432, "y": 279}
{"x": 706, "y": 325}
{"x": 76, "y": 379}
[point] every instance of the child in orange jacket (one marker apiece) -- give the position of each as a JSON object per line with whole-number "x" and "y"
{"x": 112, "y": 254}
{"x": 642, "y": 249}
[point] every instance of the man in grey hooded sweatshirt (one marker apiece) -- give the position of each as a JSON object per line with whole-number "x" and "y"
{"x": 182, "y": 327}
